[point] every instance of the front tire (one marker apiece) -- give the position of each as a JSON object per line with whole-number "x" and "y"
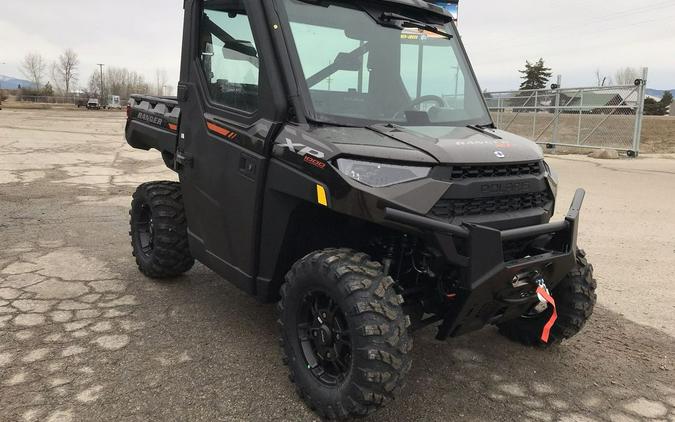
{"x": 575, "y": 299}
{"x": 159, "y": 230}
{"x": 344, "y": 334}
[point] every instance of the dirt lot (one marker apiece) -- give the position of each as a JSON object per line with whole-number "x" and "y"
{"x": 84, "y": 337}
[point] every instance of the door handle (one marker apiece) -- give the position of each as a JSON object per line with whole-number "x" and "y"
{"x": 248, "y": 166}
{"x": 182, "y": 92}
{"x": 184, "y": 159}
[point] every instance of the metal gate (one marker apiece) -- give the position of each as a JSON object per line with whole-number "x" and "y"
{"x": 593, "y": 117}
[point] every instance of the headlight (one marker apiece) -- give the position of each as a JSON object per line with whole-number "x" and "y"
{"x": 379, "y": 175}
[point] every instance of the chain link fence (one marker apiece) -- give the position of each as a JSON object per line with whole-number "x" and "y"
{"x": 51, "y": 99}
{"x": 60, "y": 100}
{"x": 594, "y": 117}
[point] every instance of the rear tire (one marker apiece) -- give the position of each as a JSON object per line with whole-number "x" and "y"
{"x": 575, "y": 299}
{"x": 159, "y": 230}
{"x": 374, "y": 346}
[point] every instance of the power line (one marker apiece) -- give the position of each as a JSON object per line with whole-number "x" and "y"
{"x": 544, "y": 39}
{"x": 631, "y": 12}
{"x": 612, "y": 16}
{"x": 550, "y": 31}
{"x": 558, "y": 52}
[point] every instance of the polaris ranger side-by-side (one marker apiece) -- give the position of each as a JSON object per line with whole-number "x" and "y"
{"x": 337, "y": 157}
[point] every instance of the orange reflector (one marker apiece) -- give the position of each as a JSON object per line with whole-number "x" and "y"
{"x": 217, "y": 129}
{"x": 321, "y": 197}
{"x": 173, "y": 127}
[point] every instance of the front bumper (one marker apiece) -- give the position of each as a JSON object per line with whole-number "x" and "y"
{"x": 492, "y": 289}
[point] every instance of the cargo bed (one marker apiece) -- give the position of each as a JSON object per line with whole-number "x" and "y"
{"x": 152, "y": 122}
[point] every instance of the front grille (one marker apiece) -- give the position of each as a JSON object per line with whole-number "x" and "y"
{"x": 505, "y": 170}
{"x": 452, "y": 208}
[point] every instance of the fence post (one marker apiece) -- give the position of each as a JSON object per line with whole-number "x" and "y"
{"x": 536, "y": 110}
{"x": 556, "y": 114}
{"x": 581, "y": 111}
{"x": 500, "y": 104}
{"x": 640, "y": 110}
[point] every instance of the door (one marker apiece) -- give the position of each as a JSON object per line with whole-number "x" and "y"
{"x": 225, "y": 120}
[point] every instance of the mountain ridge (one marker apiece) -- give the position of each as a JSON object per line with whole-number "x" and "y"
{"x": 659, "y": 92}
{"x": 10, "y": 82}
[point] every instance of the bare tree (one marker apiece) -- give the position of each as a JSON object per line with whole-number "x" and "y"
{"x": 56, "y": 79}
{"x": 119, "y": 81}
{"x": 33, "y": 67}
{"x": 626, "y": 76}
{"x": 161, "y": 81}
{"x": 124, "y": 82}
{"x": 94, "y": 86}
{"x": 603, "y": 80}
{"x": 137, "y": 84}
{"x": 65, "y": 70}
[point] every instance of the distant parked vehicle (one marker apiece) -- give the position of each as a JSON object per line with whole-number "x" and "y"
{"x": 114, "y": 102}
{"x": 93, "y": 104}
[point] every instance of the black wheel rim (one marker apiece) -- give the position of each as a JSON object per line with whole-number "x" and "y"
{"x": 145, "y": 229}
{"x": 325, "y": 338}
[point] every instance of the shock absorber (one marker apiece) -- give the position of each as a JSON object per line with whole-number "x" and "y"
{"x": 388, "y": 256}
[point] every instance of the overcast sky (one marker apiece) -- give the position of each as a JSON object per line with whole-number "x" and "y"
{"x": 575, "y": 37}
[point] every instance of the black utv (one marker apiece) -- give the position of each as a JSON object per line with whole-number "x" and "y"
{"x": 336, "y": 157}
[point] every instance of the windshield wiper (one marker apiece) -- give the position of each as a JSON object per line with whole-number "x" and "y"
{"x": 331, "y": 123}
{"x": 426, "y": 27}
{"x": 483, "y": 129}
{"x": 400, "y": 22}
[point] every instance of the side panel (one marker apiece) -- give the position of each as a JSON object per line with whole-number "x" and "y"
{"x": 144, "y": 136}
{"x": 224, "y": 149}
{"x": 286, "y": 190}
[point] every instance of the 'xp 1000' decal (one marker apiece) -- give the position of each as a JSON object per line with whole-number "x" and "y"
{"x": 314, "y": 162}
{"x": 302, "y": 150}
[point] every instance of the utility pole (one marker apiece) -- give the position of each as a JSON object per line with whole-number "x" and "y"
{"x": 330, "y": 78}
{"x": 101, "y": 66}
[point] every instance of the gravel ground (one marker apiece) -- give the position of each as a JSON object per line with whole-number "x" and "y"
{"x": 84, "y": 337}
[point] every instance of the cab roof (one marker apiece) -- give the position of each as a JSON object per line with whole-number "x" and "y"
{"x": 428, "y": 5}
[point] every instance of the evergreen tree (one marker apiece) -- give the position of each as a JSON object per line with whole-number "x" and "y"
{"x": 658, "y": 108}
{"x": 48, "y": 90}
{"x": 665, "y": 102}
{"x": 651, "y": 107}
{"x": 535, "y": 75}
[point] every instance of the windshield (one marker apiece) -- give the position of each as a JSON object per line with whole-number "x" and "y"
{"x": 363, "y": 67}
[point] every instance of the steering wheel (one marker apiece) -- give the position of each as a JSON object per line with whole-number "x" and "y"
{"x": 421, "y": 100}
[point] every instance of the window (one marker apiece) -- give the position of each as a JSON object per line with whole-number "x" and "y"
{"x": 318, "y": 48}
{"x": 229, "y": 57}
{"x": 359, "y": 70}
{"x": 426, "y": 70}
